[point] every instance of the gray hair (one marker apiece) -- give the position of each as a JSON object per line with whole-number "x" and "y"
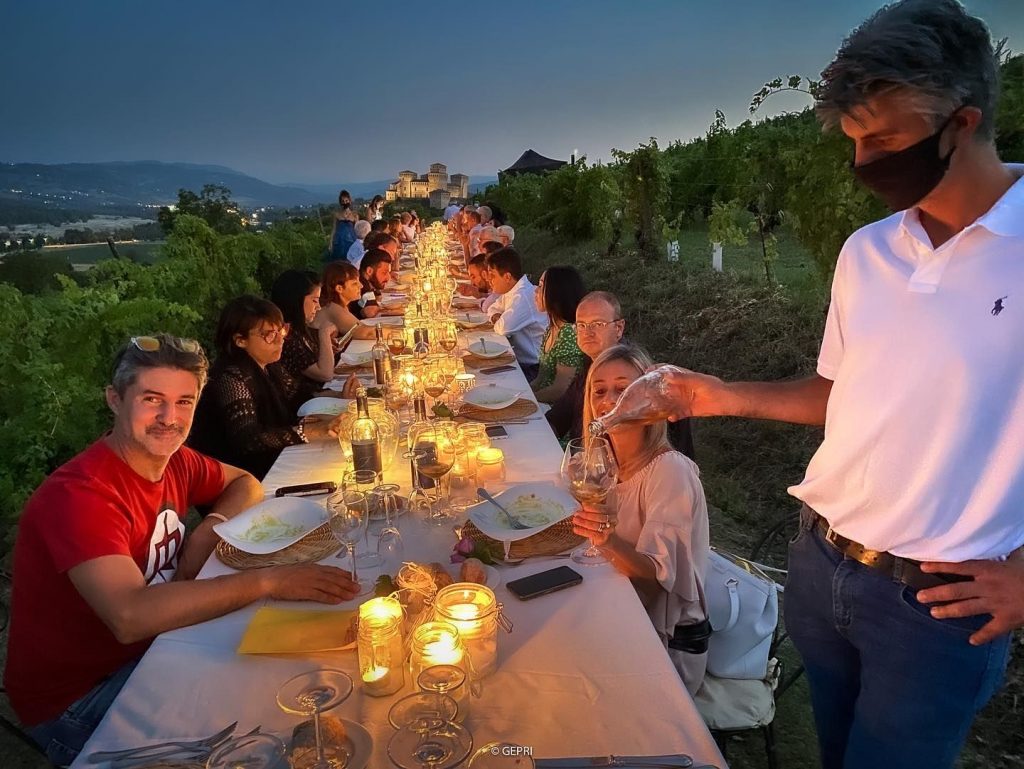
{"x": 608, "y": 298}
{"x": 934, "y": 49}
{"x": 362, "y": 228}
{"x": 173, "y": 352}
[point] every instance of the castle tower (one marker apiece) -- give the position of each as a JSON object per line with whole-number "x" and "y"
{"x": 462, "y": 182}
{"x": 437, "y": 177}
{"x": 405, "y": 180}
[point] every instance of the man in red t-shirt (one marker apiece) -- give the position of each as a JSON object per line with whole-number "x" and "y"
{"x": 101, "y": 561}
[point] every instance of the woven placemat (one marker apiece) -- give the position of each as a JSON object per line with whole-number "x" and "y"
{"x": 552, "y": 541}
{"x": 475, "y": 361}
{"x": 521, "y": 409}
{"x": 316, "y": 545}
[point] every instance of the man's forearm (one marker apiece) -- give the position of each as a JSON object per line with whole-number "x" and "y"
{"x": 802, "y": 401}
{"x": 241, "y": 494}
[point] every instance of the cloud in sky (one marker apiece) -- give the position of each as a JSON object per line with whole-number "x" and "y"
{"x": 318, "y": 92}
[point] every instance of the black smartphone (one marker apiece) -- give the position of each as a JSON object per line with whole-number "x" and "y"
{"x": 544, "y": 582}
{"x": 307, "y": 489}
{"x": 496, "y": 431}
{"x": 497, "y": 369}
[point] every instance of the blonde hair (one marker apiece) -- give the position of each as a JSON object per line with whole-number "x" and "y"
{"x": 655, "y": 436}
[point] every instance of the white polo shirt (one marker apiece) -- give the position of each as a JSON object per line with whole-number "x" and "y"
{"x": 924, "y": 433}
{"x": 521, "y": 322}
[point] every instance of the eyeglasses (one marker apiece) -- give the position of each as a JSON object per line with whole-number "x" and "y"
{"x": 272, "y": 336}
{"x": 594, "y": 326}
{"x": 153, "y": 343}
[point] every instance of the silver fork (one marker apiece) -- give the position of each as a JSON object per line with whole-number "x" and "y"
{"x": 515, "y": 522}
{"x": 194, "y": 754}
{"x": 213, "y": 739}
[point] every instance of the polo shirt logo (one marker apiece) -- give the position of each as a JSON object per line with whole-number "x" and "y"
{"x": 998, "y": 306}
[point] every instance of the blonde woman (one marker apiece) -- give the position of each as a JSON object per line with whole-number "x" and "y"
{"x": 654, "y": 525}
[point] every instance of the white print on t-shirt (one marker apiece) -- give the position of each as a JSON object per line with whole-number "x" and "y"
{"x": 164, "y": 547}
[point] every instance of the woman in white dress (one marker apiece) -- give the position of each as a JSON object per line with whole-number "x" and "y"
{"x": 653, "y": 527}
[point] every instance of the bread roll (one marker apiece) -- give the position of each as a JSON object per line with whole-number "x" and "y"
{"x": 473, "y": 571}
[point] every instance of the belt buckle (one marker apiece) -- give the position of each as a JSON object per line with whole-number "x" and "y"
{"x": 831, "y": 535}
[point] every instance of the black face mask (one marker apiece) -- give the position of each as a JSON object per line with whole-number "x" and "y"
{"x": 904, "y": 178}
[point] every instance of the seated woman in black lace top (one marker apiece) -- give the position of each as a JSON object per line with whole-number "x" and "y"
{"x": 246, "y": 413}
{"x": 308, "y": 354}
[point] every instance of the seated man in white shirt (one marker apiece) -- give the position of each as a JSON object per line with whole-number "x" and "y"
{"x": 357, "y": 249}
{"x": 515, "y": 314}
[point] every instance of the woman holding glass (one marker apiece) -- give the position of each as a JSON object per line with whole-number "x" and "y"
{"x": 558, "y": 294}
{"x": 653, "y": 526}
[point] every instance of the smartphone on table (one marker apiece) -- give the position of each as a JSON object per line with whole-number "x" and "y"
{"x": 544, "y": 582}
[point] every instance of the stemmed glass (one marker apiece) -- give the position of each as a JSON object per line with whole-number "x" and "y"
{"x": 314, "y": 693}
{"x": 419, "y": 500}
{"x": 252, "y": 751}
{"x": 396, "y": 340}
{"x": 435, "y": 446}
{"x": 390, "y": 548}
{"x": 430, "y": 743}
{"x": 448, "y": 336}
{"x": 589, "y": 470}
{"x": 349, "y": 517}
{"x": 364, "y": 481}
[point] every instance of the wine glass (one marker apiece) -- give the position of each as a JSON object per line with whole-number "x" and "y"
{"x": 396, "y": 340}
{"x": 434, "y": 444}
{"x": 349, "y": 516}
{"x": 390, "y": 547}
{"x": 589, "y": 470}
{"x": 314, "y": 693}
{"x": 448, "y": 337}
{"x": 364, "y": 481}
{"x": 430, "y": 742}
{"x": 419, "y": 500}
{"x": 252, "y": 751}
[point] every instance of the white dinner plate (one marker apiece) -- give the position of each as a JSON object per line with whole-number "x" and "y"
{"x": 324, "y": 405}
{"x": 539, "y": 504}
{"x": 491, "y": 397}
{"x": 272, "y": 525}
{"x": 488, "y": 348}
{"x": 465, "y": 302}
{"x": 358, "y": 358}
{"x": 383, "y": 320}
{"x": 471, "y": 318}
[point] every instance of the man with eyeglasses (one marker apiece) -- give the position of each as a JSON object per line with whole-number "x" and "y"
{"x": 102, "y": 564}
{"x": 600, "y": 325}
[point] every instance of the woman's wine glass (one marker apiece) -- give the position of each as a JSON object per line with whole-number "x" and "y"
{"x": 589, "y": 470}
{"x": 349, "y": 516}
{"x": 312, "y": 694}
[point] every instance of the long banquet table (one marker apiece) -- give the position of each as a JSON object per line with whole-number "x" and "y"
{"x": 582, "y": 673}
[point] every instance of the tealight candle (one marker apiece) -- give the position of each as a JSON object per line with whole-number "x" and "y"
{"x": 490, "y": 466}
{"x": 435, "y": 643}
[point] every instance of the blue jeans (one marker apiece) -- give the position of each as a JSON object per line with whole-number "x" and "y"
{"x": 63, "y": 738}
{"x": 890, "y": 685}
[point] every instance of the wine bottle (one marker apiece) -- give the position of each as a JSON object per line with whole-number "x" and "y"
{"x": 646, "y": 401}
{"x": 381, "y": 358}
{"x": 365, "y": 437}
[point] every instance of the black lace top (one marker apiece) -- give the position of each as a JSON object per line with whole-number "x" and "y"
{"x": 299, "y": 353}
{"x": 246, "y": 414}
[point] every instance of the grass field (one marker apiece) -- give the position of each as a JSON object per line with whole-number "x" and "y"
{"x": 144, "y": 252}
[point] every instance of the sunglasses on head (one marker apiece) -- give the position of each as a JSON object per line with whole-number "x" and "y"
{"x": 152, "y": 344}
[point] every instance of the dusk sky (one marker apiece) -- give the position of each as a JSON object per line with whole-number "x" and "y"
{"x": 322, "y": 92}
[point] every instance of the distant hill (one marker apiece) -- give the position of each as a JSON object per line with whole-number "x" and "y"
{"x": 29, "y": 191}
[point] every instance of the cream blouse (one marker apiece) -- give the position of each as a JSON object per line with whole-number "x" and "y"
{"x": 662, "y": 512}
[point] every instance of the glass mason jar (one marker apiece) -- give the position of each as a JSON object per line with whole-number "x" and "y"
{"x": 380, "y": 647}
{"x": 387, "y": 429}
{"x": 474, "y": 436}
{"x": 436, "y": 643}
{"x": 475, "y": 613}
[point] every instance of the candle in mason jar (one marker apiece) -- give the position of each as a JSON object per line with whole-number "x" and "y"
{"x": 379, "y": 646}
{"x": 490, "y": 466}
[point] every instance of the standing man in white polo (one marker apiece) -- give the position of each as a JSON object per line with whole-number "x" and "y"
{"x": 919, "y": 482}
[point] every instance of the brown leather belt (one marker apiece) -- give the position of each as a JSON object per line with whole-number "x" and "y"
{"x": 905, "y": 570}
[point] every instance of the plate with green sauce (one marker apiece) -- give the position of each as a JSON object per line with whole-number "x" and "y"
{"x": 272, "y": 525}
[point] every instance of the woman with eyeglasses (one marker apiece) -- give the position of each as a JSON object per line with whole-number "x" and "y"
{"x": 246, "y": 413}
{"x": 308, "y": 353}
{"x": 558, "y": 294}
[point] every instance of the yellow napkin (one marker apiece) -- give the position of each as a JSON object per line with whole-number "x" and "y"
{"x": 289, "y": 631}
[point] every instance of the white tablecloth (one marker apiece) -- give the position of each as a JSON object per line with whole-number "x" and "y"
{"x": 582, "y": 673}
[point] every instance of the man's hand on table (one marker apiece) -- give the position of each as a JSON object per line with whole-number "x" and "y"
{"x": 997, "y": 589}
{"x": 310, "y": 582}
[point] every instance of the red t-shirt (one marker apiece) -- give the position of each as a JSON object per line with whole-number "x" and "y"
{"x": 95, "y": 505}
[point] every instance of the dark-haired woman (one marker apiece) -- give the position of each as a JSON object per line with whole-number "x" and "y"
{"x": 246, "y": 414}
{"x": 340, "y": 287}
{"x": 343, "y": 233}
{"x": 559, "y": 292}
{"x": 308, "y": 354}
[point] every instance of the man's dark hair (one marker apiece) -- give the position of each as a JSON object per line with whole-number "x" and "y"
{"x": 506, "y": 260}
{"x": 372, "y": 259}
{"x": 490, "y": 246}
{"x": 375, "y": 240}
{"x": 480, "y": 260}
{"x": 239, "y": 317}
{"x": 933, "y": 48}
{"x": 563, "y": 290}
{"x": 378, "y": 225}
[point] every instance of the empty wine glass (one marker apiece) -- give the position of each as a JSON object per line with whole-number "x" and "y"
{"x": 589, "y": 470}
{"x": 252, "y": 751}
{"x": 390, "y": 547}
{"x": 430, "y": 743}
{"x": 364, "y": 481}
{"x": 349, "y": 516}
{"x": 312, "y": 694}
